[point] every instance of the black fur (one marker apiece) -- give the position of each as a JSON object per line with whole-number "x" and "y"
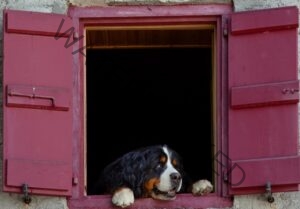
{"x": 133, "y": 169}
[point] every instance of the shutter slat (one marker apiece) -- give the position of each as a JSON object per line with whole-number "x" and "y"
{"x": 37, "y": 97}
{"x": 36, "y": 23}
{"x": 265, "y": 94}
{"x": 34, "y": 173}
{"x": 270, "y": 170}
{"x": 258, "y": 21}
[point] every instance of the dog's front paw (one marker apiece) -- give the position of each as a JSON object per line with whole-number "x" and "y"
{"x": 202, "y": 187}
{"x": 123, "y": 197}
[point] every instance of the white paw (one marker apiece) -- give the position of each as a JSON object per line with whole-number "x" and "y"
{"x": 123, "y": 197}
{"x": 202, "y": 187}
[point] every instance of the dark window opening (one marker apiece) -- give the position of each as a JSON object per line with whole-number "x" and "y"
{"x": 140, "y": 96}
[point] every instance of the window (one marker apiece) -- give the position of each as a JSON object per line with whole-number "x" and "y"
{"x": 251, "y": 101}
{"x": 155, "y": 83}
{"x": 151, "y": 91}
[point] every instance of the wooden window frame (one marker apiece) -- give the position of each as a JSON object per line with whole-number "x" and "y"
{"x": 150, "y": 15}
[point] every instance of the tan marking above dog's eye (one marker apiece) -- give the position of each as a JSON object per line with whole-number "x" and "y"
{"x": 163, "y": 159}
{"x": 174, "y": 162}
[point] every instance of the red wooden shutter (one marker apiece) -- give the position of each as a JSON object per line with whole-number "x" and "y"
{"x": 264, "y": 92}
{"x": 37, "y": 107}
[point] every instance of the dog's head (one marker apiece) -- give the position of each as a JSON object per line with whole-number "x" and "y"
{"x": 154, "y": 171}
{"x": 162, "y": 176}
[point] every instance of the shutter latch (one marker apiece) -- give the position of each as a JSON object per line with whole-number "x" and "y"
{"x": 270, "y": 198}
{"x": 26, "y": 197}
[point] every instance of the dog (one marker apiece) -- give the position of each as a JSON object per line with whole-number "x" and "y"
{"x": 154, "y": 171}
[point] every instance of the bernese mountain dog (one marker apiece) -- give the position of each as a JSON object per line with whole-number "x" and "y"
{"x": 154, "y": 171}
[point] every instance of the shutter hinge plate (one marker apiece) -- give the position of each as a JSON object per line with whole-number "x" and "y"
{"x": 26, "y": 198}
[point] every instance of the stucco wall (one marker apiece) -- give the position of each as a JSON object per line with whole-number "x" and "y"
{"x": 289, "y": 200}
{"x": 141, "y": 2}
{"x": 241, "y": 5}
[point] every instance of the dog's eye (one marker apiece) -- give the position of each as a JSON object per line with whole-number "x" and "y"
{"x": 162, "y": 161}
{"x": 160, "y": 165}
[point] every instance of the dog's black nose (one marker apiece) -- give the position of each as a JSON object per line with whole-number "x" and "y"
{"x": 175, "y": 177}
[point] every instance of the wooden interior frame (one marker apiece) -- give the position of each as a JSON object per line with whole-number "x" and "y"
{"x": 113, "y": 37}
{"x": 171, "y": 15}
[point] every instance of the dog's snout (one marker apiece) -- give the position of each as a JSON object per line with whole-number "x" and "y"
{"x": 176, "y": 177}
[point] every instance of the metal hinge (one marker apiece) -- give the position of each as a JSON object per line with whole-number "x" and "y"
{"x": 225, "y": 32}
{"x": 225, "y": 28}
{"x": 26, "y": 198}
{"x": 75, "y": 180}
{"x": 225, "y": 176}
{"x": 75, "y": 35}
{"x": 269, "y": 195}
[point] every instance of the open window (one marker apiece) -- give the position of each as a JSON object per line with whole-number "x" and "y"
{"x": 149, "y": 85}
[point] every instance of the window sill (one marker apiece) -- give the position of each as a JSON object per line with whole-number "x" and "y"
{"x": 181, "y": 201}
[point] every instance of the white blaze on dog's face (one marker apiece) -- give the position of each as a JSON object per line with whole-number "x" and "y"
{"x": 170, "y": 180}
